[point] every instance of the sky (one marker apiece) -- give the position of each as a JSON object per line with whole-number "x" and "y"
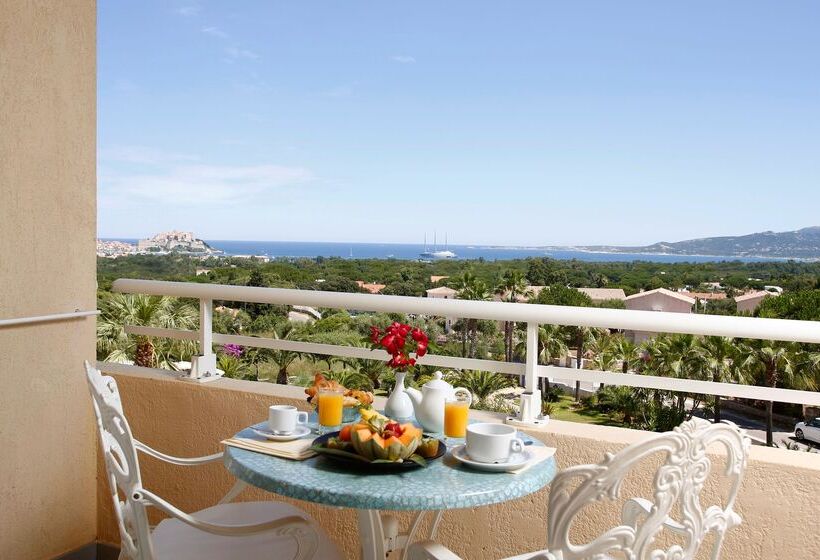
{"x": 508, "y": 123}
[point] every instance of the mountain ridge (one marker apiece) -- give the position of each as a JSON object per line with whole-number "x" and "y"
{"x": 798, "y": 244}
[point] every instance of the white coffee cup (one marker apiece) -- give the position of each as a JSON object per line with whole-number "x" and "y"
{"x": 492, "y": 443}
{"x": 283, "y": 418}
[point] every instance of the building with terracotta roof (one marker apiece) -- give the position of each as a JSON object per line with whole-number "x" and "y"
{"x": 660, "y": 299}
{"x": 598, "y": 295}
{"x": 705, "y": 296}
{"x": 373, "y": 288}
{"x": 747, "y": 303}
{"x": 437, "y": 279}
{"x": 442, "y": 292}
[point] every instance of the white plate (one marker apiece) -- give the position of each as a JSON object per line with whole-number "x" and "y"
{"x": 299, "y": 432}
{"x": 516, "y": 460}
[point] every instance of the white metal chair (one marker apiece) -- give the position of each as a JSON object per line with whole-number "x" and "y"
{"x": 246, "y": 530}
{"x": 678, "y": 481}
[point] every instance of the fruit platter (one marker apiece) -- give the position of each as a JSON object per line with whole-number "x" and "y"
{"x": 378, "y": 443}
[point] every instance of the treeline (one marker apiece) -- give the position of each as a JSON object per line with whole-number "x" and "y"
{"x": 413, "y": 278}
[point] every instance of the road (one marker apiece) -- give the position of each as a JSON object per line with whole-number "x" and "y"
{"x": 756, "y": 428}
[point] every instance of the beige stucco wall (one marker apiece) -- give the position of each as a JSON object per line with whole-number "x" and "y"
{"x": 656, "y": 301}
{"x": 777, "y": 499}
{"x": 749, "y": 305}
{"x": 47, "y": 265}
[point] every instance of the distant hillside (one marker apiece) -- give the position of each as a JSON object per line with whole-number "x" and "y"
{"x": 801, "y": 244}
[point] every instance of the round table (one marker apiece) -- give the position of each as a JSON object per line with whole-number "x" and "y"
{"x": 444, "y": 484}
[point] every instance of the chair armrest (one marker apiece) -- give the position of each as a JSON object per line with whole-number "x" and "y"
{"x": 429, "y": 550}
{"x": 637, "y": 507}
{"x": 185, "y": 462}
{"x": 285, "y": 525}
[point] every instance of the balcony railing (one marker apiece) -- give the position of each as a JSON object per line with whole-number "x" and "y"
{"x": 204, "y": 365}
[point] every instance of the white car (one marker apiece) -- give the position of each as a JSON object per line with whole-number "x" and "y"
{"x": 808, "y": 430}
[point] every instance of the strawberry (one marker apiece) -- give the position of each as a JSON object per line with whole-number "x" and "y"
{"x": 394, "y": 428}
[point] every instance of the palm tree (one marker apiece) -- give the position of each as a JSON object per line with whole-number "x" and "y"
{"x": 719, "y": 355}
{"x": 622, "y": 399}
{"x": 605, "y": 357}
{"x": 482, "y": 384}
{"x": 676, "y": 355}
{"x": 119, "y": 310}
{"x": 513, "y": 286}
{"x": 551, "y": 344}
{"x": 626, "y": 351}
{"x": 471, "y": 288}
{"x": 779, "y": 363}
{"x": 582, "y": 337}
{"x": 284, "y": 358}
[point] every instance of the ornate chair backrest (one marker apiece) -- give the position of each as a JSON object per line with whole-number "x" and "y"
{"x": 678, "y": 482}
{"x": 121, "y": 466}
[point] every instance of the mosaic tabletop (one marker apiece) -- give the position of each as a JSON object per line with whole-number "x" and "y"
{"x": 443, "y": 484}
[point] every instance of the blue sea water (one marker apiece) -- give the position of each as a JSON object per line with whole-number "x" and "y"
{"x": 296, "y": 249}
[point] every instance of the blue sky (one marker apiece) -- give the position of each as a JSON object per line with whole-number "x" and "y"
{"x": 499, "y": 122}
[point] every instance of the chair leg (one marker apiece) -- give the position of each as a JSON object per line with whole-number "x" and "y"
{"x": 233, "y": 492}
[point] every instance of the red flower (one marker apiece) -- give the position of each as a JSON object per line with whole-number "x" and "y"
{"x": 375, "y": 333}
{"x": 389, "y": 343}
{"x": 421, "y": 349}
{"x": 418, "y": 335}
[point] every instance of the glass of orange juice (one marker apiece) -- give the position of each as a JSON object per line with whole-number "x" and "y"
{"x": 456, "y": 411}
{"x": 330, "y": 409}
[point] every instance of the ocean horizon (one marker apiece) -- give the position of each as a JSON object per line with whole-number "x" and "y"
{"x": 412, "y": 251}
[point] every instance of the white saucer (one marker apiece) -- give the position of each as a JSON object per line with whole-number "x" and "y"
{"x": 516, "y": 460}
{"x": 299, "y": 432}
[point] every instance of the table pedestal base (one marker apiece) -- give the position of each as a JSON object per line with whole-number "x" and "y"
{"x": 379, "y": 533}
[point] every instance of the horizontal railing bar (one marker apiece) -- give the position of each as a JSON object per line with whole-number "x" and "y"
{"x": 509, "y": 368}
{"x": 682, "y": 385}
{"x": 68, "y": 316}
{"x": 330, "y": 349}
{"x": 645, "y": 321}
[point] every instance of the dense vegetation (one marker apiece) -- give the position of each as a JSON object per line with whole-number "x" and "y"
{"x": 708, "y": 358}
{"x": 412, "y": 278}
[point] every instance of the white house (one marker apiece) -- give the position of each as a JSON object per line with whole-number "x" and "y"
{"x": 444, "y": 292}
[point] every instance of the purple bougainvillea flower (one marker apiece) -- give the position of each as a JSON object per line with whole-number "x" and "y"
{"x": 234, "y": 350}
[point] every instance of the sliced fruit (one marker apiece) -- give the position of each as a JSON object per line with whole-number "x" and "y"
{"x": 337, "y": 443}
{"x": 393, "y": 427}
{"x": 362, "y": 435}
{"x": 344, "y": 434}
{"x": 372, "y": 445}
{"x": 428, "y": 447}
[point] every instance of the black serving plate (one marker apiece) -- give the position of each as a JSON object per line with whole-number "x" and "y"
{"x": 354, "y": 460}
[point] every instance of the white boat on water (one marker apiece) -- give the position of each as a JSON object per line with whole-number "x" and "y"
{"x": 438, "y": 255}
{"x": 435, "y": 254}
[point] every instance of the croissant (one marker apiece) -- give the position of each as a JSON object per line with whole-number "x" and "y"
{"x": 353, "y": 397}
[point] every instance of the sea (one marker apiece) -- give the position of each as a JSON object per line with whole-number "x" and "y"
{"x": 402, "y": 251}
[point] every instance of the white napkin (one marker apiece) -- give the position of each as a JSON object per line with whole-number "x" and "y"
{"x": 539, "y": 455}
{"x": 297, "y": 449}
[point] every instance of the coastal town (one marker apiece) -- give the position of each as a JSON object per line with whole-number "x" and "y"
{"x": 180, "y": 242}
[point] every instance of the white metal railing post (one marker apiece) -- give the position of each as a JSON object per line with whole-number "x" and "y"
{"x": 203, "y": 366}
{"x": 530, "y": 407}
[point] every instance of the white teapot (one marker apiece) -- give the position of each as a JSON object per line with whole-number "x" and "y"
{"x": 428, "y": 404}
